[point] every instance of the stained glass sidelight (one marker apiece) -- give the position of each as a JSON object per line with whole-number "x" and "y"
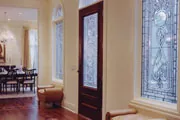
{"x": 59, "y": 50}
{"x": 90, "y": 50}
{"x": 159, "y": 50}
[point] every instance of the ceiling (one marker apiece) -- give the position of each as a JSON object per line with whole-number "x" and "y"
{"x": 18, "y": 14}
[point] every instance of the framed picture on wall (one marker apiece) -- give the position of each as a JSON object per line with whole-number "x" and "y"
{"x": 2, "y": 53}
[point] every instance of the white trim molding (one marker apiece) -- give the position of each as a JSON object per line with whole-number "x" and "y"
{"x": 56, "y": 20}
{"x": 150, "y": 108}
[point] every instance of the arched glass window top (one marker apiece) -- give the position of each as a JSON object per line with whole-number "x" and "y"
{"x": 159, "y": 50}
{"x": 57, "y": 12}
{"x": 84, "y": 3}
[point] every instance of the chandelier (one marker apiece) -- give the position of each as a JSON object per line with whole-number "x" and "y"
{"x": 5, "y": 34}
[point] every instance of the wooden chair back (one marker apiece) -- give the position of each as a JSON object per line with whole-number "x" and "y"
{"x": 29, "y": 74}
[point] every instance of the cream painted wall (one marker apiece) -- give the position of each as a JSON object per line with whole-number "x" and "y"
{"x": 71, "y": 24}
{"x": 43, "y": 19}
{"x": 120, "y": 39}
{"x": 15, "y": 47}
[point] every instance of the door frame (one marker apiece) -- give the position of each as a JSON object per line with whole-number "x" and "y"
{"x": 92, "y": 9}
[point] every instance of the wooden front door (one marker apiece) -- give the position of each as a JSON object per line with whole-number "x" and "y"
{"x": 91, "y": 61}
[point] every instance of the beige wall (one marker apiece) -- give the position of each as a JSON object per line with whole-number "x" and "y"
{"x": 120, "y": 36}
{"x": 71, "y": 51}
{"x": 42, "y": 6}
{"x": 15, "y": 47}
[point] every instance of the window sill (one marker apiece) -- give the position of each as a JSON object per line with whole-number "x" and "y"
{"x": 58, "y": 81}
{"x": 165, "y": 109}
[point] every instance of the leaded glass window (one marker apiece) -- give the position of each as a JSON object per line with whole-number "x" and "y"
{"x": 59, "y": 50}
{"x": 159, "y": 50}
{"x": 90, "y": 50}
{"x": 57, "y": 12}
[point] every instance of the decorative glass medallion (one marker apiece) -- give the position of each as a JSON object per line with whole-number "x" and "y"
{"x": 159, "y": 50}
{"x": 90, "y": 48}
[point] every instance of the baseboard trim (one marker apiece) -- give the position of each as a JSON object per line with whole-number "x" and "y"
{"x": 69, "y": 106}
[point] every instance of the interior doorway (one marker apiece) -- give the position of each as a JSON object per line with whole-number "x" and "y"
{"x": 91, "y": 60}
{"x": 19, "y": 35}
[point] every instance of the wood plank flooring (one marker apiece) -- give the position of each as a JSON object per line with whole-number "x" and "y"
{"x": 27, "y": 109}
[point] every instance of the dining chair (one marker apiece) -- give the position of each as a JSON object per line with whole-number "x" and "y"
{"x": 1, "y": 84}
{"x": 24, "y": 69}
{"x": 8, "y": 77}
{"x": 12, "y": 81}
{"x": 28, "y": 80}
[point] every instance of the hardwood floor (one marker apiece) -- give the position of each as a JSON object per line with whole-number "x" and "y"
{"x": 27, "y": 109}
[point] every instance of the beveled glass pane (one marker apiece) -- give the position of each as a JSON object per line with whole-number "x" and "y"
{"x": 84, "y": 3}
{"x": 159, "y": 50}
{"x": 90, "y": 50}
{"x": 59, "y": 50}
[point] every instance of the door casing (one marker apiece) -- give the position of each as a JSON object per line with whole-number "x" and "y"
{"x": 90, "y": 99}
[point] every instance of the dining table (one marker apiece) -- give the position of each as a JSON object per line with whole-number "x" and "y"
{"x": 19, "y": 74}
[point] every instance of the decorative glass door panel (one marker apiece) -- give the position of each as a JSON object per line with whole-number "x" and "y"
{"x": 159, "y": 50}
{"x": 90, "y": 51}
{"x": 90, "y": 61}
